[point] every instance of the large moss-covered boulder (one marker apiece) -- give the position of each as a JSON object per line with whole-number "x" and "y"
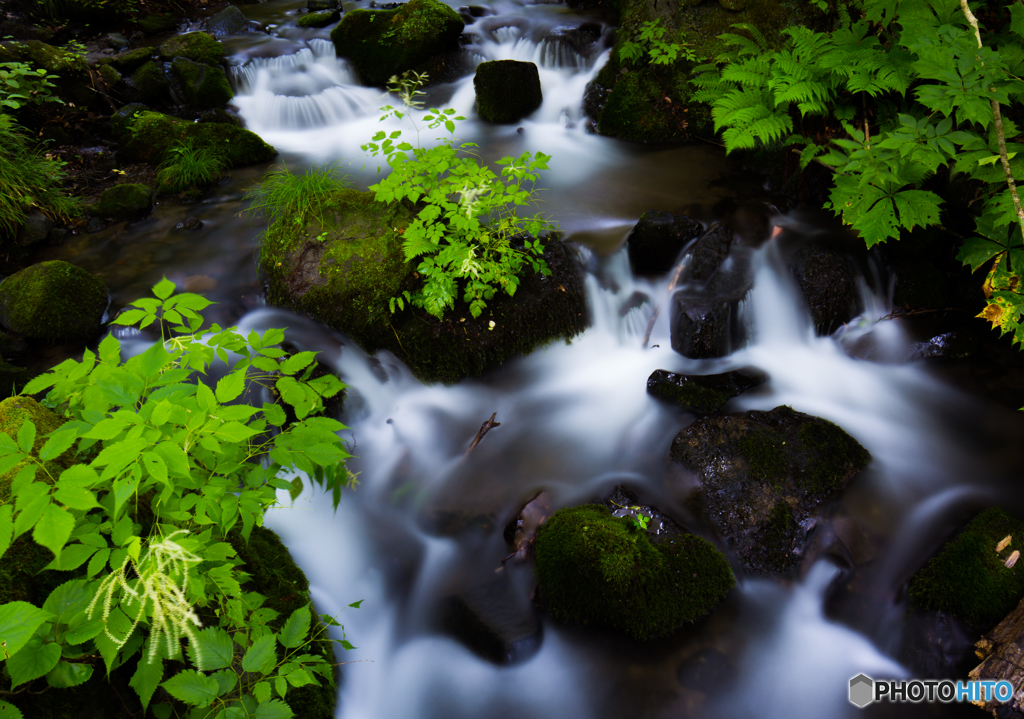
{"x": 202, "y": 86}
{"x": 594, "y": 568}
{"x": 54, "y": 302}
{"x": 148, "y": 135}
{"x": 195, "y": 46}
{"x": 150, "y": 84}
{"x": 345, "y": 273}
{"x": 506, "y": 90}
{"x": 968, "y": 578}
{"x": 763, "y": 477}
{"x": 383, "y": 43}
{"x": 129, "y": 201}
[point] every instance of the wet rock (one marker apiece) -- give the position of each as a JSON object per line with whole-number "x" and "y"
{"x": 202, "y": 86}
{"x": 657, "y": 239}
{"x": 124, "y": 202}
{"x": 506, "y": 90}
{"x": 147, "y": 136}
{"x": 346, "y": 280}
{"x": 828, "y": 283}
{"x": 57, "y": 236}
{"x": 156, "y": 24}
{"x": 319, "y": 19}
{"x": 150, "y": 84}
{"x": 229, "y": 21}
{"x": 969, "y": 578}
{"x": 708, "y": 253}
{"x": 596, "y": 568}
{"x": 189, "y": 224}
{"x": 129, "y": 60}
{"x": 581, "y": 39}
{"x": 947, "y": 346}
{"x": 109, "y": 75}
{"x": 383, "y": 43}
{"x": 703, "y": 394}
{"x": 763, "y": 476}
{"x": 35, "y": 228}
{"x": 220, "y": 115}
{"x": 95, "y": 224}
{"x": 494, "y": 621}
{"x": 194, "y": 46}
{"x": 121, "y": 121}
{"x": 704, "y": 320}
{"x": 117, "y": 41}
{"x": 54, "y": 302}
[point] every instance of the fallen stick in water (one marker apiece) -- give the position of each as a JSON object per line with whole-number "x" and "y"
{"x": 484, "y": 429}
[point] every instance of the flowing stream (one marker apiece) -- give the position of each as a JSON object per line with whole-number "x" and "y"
{"x": 426, "y": 521}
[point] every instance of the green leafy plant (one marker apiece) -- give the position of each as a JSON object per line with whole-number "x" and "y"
{"x": 651, "y": 41}
{"x": 187, "y": 167}
{"x": 471, "y": 241}
{"x": 140, "y": 491}
{"x": 21, "y": 84}
{"x": 28, "y": 180}
{"x": 916, "y": 89}
{"x": 303, "y": 197}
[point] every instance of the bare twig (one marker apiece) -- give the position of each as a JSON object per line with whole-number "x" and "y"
{"x": 484, "y": 429}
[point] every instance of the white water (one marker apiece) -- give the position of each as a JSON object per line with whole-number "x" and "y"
{"x": 576, "y": 420}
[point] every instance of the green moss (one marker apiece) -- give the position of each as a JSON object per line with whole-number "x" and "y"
{"x": 382, "y": 43}
{"x": 594, "y": 568}
{"x": 832, "y": 451}
{"x": 53, "y": 301}
{"x": 110, "y": 76}
{"x": 506, "y": 90}
{"x": 14, "y": 411}
{"x": 319, "y": 19}
{"x": 763, "y": 453}
{"x": 159, "y": 23}
{"x": 128, "y": 60}
{"x": 689, "y": 394}
{"x": 203, "y": 86}
{"x": 127, "y": 201}
{"x": 195, "y": 46}
{"x": 968, "y": 578}
{"x": 151, "y": 135}
{"x": 150, "y": 83}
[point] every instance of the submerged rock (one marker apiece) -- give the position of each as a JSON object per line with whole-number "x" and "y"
{"x": 656, "y": 240}
{"x": 346, "y": 277}
{"x": 594, "y": 568}
{"x": 762, "y": 477}
{"x": 506, "y": 90}
{"x": 384, "y": 43}
{"x": 828, "y": 283}
{"x": 703, "y": 394}
{"x": 54, "y": 302}
{"x": 494, "y": 621}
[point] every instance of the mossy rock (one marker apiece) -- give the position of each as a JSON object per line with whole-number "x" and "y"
{"x": 319, "y": 19}
{"x": 14, "y": 412}
{"x": 347, "y": 279}
{"x": 195, "y": 46}
{"x": 149, "y": 135}
{"x": 154, "y": 24}
{"x": 593, "y": 568}
{"x": 151, "y": 85}
{"x": 763, "y": 474}
{"x": 109, "y": 75}
{"x": 383, "y": 43}
{"x": 53, "y": 301}
{"x": 506, "y": 90}
{"x": 202, "y": 86}
{"x": 702, "y": 394}
{"x": 968, "y": 578}
{"x": 128, "y": 60}
{"x": 127, "y": 201}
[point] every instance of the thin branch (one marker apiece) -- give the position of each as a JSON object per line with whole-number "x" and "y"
{"x": 486, "y": 427}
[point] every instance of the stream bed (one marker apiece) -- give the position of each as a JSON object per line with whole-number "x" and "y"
{"x": 426, "y": 522}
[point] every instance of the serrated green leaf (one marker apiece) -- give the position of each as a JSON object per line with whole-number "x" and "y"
{"x": 146, "y": 679}
{"x": 230, "y": 386}
{"x": 68, "y": 674}
{"x": 71, "y": 557}
{"x": 36, "y": 659}
{"x": 84, "y": 632}
{"x": 9, "y": 711}
{"x": 217, "y": 648}
{"x": 26, "y": 436}
{"x": 262, "y": 691}
{"x": 297, "y": 362}
{"x": 53, "y": 528}
{"x": 274, "y": 709}
{"x": 18, "y": 622}
{"x": 192, "y": 688}
{"x": 274, "y": 414}
{"x": 976, "y": 251}
{"x": 163, "y": 289}
{"x": 78, "y": 476}
{"x": 98, "y": 562}
{"x": 76, "y": 498}
{"x": 6, "y": 528}
{"x": 56, "y": 444}
{"x": 261, "y": 656}
{"x": 294, "y": 632}
{"x": 67, "y": 600}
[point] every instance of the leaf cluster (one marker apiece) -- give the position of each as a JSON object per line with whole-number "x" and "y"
{"x": 651, "y": 41}
{"x": 163, "y": 467}
{"x": 21, "y": 84}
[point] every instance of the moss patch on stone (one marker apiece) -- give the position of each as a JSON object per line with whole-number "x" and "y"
{"x": 151, "y": 86}
{"x": 319, "y": 19}
{"x": 128, "y": 201}
{"x": 196, "y": 46}
{"x": 968, "y": 579}
{"x": 382, "y": 43}
{"x": 54, "y": 302}
{"x": 506, "y": 90}
{"x": 202, "y": 86}
{"x": 149, "y": 135}
{"x": 593, "y": 568}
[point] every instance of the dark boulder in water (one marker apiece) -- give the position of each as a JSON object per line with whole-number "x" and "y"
{"x": 506, "y": 90}
{"x": 829, "y": 284}
{"x": 657, "y": 239}
{"x": 702, "y": 394}
{"x": 763, "y": 476}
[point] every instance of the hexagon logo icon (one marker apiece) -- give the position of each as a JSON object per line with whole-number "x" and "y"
{"x": 862, "y": 690}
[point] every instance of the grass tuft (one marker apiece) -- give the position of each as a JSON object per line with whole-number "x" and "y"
{"x": 188, "y": 167}
{"x": 300, "y": 197}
